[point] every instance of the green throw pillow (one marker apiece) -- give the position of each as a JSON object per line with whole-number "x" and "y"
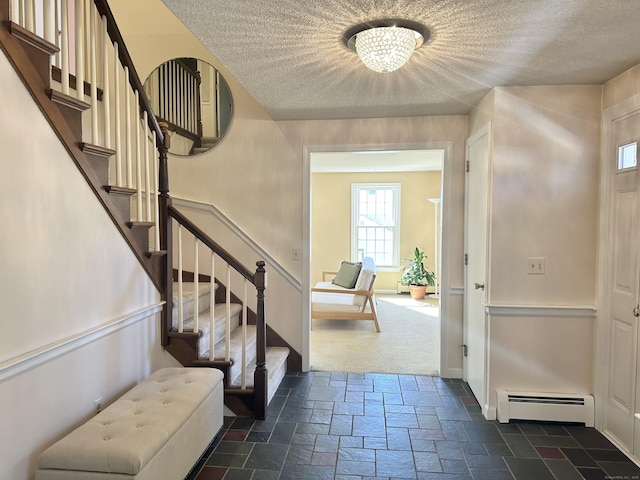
{"x": 347, "y": 275}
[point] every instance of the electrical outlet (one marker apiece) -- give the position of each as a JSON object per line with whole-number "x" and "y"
{"x": 535, "y": 266}
{"x": 295, "y": 254}
{"x": 97, "y": 405}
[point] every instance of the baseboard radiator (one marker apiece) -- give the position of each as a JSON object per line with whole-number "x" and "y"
{"x": 550, "y": 407}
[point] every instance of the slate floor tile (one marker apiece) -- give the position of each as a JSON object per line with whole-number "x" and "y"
{"x": 347, "y": 426}
{"x": 563, "y": 469}
{"x": 529, "y": 469}
{"x": 396, "y": 464}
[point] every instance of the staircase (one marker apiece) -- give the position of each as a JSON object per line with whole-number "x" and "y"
{"x": 104, "y": 120}
{"x": 238, "y": 375}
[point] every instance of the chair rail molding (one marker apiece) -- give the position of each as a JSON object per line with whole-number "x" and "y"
{"x": 240, "y": 233}
{"x": 34, "y": 358}
{"x": 574, "y": 311}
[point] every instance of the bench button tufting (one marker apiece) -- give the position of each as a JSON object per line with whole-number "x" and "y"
{"x": 107, "y": 438}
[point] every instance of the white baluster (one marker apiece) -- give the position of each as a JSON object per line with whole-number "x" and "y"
{"x": 29, "y": 16}
{"x": 212, "y": 306}
{"x": 64, "y": 46}
{"x": 56, "y": 32}
{"x": 106, "y": 88}
{"x": 47, "y": 27}
{"x": 227, "y": 346}
{"x": 79, "y": 13}
{"x": 196, "y": 287}
{"x": 138, "y": 158}
{"x": 118, "y": 115}
{"x": 180, "y": 293}
{"x": 243, "y": 380}
{"x": 127, "y": 127}
{"x": 14, "y": 11}
{"x": 93, "y": 69}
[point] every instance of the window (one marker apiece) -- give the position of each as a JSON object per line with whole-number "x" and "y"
{"x": 375, "y": 214}
{"x": 627, "y": 156}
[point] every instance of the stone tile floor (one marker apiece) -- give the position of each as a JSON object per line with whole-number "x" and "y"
{"x": 352, "y": 426}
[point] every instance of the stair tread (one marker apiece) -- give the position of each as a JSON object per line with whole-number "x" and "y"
{"x": 275, "y": 358}
{"x": 204, "y": 318}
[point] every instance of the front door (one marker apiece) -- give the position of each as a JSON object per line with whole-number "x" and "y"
{"x": 475, "y": 340}
{"x": 623, "y": 279}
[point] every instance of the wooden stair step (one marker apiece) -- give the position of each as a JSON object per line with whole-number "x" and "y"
{"x": 276, "y": 362}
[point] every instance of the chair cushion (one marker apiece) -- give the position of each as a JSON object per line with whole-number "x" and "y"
{"x": 367, "y": 272}
{"x": 347, "y": 275}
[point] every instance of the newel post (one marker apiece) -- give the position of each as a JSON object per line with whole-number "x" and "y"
{"x": 164, "y": 224}
{"x": 260, "y": 375}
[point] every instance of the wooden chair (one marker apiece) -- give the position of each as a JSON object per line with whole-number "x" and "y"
{"x": 331, "y": 302}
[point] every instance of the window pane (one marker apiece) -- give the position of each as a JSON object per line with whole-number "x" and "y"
{"x": 627, "y": 156}
{"x": 374, "y": 218}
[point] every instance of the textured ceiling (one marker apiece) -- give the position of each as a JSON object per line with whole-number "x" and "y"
{"x": 289, "y": 55}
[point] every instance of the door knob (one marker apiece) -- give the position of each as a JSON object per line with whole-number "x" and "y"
{"x": 636, "y": 311}
{"x": 480, "y": 286}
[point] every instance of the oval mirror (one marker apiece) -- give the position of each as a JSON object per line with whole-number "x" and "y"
{"x": 194, "y": 99}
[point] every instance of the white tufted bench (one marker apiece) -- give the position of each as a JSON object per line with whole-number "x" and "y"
{"x": 156, "y": 431}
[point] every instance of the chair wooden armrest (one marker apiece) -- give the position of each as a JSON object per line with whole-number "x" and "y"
{"x": 326, "y": 274}
{"x": 348, "y": 292}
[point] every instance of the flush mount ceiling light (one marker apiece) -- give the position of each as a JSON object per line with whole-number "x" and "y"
{"x": 385, "y": 45}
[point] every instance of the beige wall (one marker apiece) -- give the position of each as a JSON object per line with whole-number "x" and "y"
{"x": 408, "y": 132}
{"x": 622, "y": 87}
{"x": 544, "y": 203}
{"x": 72, "y": 292}
{"x": 331, "y": 219}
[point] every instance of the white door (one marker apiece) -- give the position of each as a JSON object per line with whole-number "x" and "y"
{"x": 623, "y": 280}
{"x": 476, "y": 231}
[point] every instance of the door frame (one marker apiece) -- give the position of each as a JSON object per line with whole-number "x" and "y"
{"x": 445, "y": 254}
{"x": 605, "y": 252}
{"x": 483, "y": 131}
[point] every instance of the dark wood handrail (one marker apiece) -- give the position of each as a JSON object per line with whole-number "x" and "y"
{"x": 204, "y": 238}
{"x": 125, "y": 59}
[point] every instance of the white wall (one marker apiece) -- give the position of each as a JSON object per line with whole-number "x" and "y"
{"x": 403, "y": 131}
{"x": 79, "y": 317}
{"x": 544, "y": 203}
{"x": 252, "y": 176}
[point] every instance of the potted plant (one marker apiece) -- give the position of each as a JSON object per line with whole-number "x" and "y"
{"x": 417, "y": 275}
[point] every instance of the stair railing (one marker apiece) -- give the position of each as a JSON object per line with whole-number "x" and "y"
{"x": 215, "y": 259}
{"x": 93, "y": 67}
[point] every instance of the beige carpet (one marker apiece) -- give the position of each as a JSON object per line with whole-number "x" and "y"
{"x": 409, "y": 341}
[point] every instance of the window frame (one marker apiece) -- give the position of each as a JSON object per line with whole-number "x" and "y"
{"x": 395, "y": 187}
{"x": 619, "y": 150}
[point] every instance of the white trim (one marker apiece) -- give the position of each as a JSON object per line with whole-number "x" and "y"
{"x": 540, "y": 311}
{"x": 240, "y": 233}
{"x": 27, "y": 361}
{"x": 447, "y": 188}
{"x": 456, "y": 291}
{"x": 490, "y": 413}
{"x": 602, "y": 343}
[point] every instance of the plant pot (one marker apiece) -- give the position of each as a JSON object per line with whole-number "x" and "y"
{"x": 417, "y": 292}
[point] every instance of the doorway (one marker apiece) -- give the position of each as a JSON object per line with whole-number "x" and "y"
{"x": 343, "y": 165}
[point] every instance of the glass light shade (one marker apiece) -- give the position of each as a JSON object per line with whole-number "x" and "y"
{"x": 385, "y": 49}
